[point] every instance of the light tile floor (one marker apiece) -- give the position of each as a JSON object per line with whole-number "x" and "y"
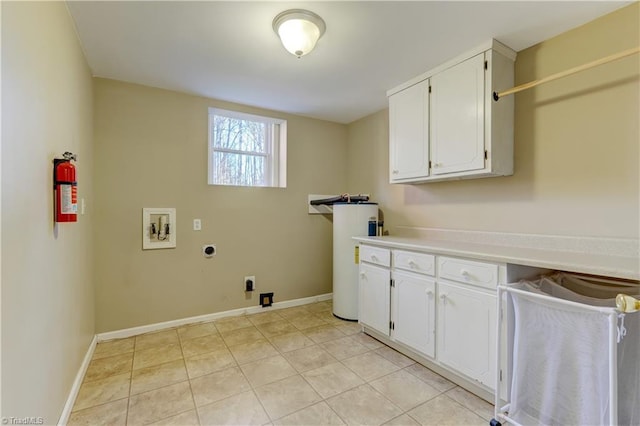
{"x": 295, "y": 366}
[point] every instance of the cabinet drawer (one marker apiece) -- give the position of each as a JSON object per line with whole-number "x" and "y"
{"x": 376, "y": 255}
{"x": 421, "y": 263}
{"x": 468, "y": 271}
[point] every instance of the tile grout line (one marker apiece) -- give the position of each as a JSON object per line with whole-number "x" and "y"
{"x": 365, "y": 381}
{"x": 135, "y": 343}
{"x": 164, "y": 386}
{"x": 253, "y": 390}
{"x": 298, "y": 373}
{"x": 323, "y": 398}
{"x": 193, "y": 397}
{"x": 301, "y": 374}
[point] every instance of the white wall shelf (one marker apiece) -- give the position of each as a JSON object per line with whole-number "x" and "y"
{"x": 324, "y": 209}
{"x": 321, "y": 209}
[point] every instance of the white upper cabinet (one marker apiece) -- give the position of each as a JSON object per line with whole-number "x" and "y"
{"x": 444, "y": 124}
{"x": 457, "y": 124}
{"x": 409, "y": 131}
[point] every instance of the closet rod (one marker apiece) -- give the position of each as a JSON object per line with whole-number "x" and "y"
{"x": 592, "y": 64}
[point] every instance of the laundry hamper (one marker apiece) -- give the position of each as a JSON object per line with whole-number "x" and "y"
{"x": 574, "y": 357}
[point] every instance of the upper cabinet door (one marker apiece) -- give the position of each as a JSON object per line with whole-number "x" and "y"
{"x": 457, "y": 117}
{"x": 409, "y": 133}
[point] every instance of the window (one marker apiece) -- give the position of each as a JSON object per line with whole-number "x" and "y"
{"x": 246, "y": 150}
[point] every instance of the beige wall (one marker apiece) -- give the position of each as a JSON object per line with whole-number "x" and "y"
{"x": 151, "y": 151}
{"x": 47, "y": 289}
{"x": 576, "y": 148}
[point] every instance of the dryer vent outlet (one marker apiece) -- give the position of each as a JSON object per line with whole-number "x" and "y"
{"x": 209, "y": 250}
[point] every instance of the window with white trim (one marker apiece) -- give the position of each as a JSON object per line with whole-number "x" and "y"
{"x": 247, "y": 149}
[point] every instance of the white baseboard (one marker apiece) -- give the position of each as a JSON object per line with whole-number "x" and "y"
{"x": 128, "y": 332}
{"x": 73, "y": 394}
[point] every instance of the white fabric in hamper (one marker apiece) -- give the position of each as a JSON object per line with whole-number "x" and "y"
{"x": 629, "y": 372}
{"x": 596, "y": 288}
{"x": 602, "y": 293}
{"x": 560, "y": 364}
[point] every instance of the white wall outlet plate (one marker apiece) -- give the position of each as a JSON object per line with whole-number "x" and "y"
{"x": 159, "y": 228}
{"x": 197, "y": 224}
{"x": 250, "y": 283}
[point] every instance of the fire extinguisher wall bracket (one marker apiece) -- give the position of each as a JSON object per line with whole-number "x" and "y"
{"x": 65, "y": 189}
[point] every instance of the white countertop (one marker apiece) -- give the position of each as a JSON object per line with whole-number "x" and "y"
{"x": 614, "y": 265}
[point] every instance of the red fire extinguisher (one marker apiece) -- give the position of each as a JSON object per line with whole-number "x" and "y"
{"x": 65, "y": 188}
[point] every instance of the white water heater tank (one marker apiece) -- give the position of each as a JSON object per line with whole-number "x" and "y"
{"x": 349, "y": 220}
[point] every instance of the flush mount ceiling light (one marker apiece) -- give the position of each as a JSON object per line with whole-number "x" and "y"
{"x": 299, "y": 30}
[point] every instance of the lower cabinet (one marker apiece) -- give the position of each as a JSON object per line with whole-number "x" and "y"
{"x": 374, "y": 297}
{"x": 447, "y": 314}
{"x": 413, "y": 311}
{"x": 466, "y": 331}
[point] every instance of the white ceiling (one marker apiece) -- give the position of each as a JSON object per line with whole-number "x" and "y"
{"x": 228, "y": 50}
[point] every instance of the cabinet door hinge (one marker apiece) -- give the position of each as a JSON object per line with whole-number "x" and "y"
{"x": 500, "y": 375}
{"x": 392, "y": 326}
{"x": 429, "y": 88}
{"x": 429, "y": 163}
{"x": 392, "y": 282}
{"x": 486, "y": 65}
{"x": 486, "y": 154}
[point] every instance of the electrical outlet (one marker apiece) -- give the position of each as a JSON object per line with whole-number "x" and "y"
{"x": 249, "y": 283}
{"x": 197, "y": 224}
